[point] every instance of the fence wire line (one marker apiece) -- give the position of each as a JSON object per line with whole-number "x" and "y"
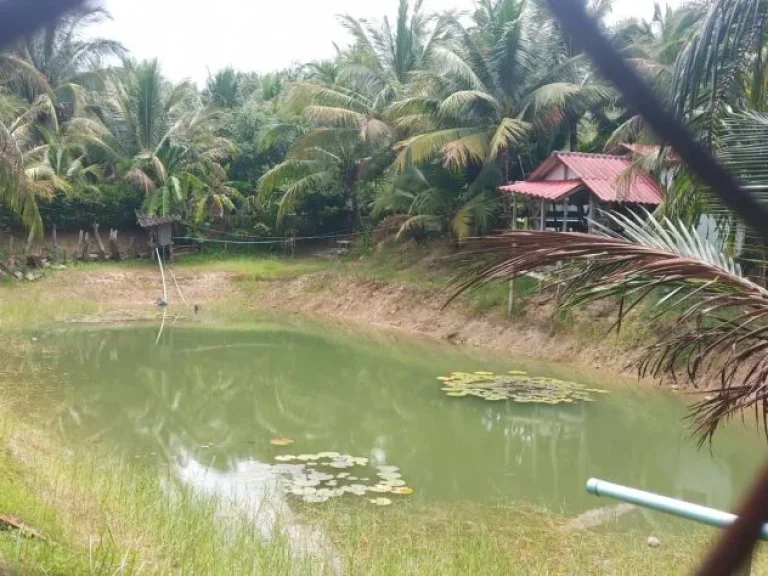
{"x": 226, "y": 233}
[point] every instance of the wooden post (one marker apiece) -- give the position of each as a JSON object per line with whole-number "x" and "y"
{"x": 99, "y": 243}
{"x": 514, "y": 211}
{"x": 114, "y": 249}
{"x": 591, "y": 213}
{"x": 86, "y": 254}
{"x": 11, "y": 257}
{"x": 541, "y": 222}
{"x": 80, "y": 240}
{"x": 54, "y": 240}
{"x": 565, "y": 214}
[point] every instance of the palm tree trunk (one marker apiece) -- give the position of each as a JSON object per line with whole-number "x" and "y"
{"x": 573, "y": 133}
{"x": 349, "y": 185}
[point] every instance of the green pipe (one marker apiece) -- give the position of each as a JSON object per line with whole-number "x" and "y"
{"x": 701, "y": 514}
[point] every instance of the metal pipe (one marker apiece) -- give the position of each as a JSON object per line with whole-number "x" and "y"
{"x": 695, "y": 512}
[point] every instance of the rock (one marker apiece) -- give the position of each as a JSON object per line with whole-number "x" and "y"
{"x": 59, "y": 267}
{"x": 29, "y": 277}
{"x": 18, "y": 275}
{"x": 599, "y": 516}
{"x": 33, "y": 339}
{"x": 46, "y": 264}
{"x": 653, "y": 542}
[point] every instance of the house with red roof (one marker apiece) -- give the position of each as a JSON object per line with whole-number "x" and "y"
{"x": 566, "y": 190}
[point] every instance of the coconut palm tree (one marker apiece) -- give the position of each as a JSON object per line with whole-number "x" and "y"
{"x": 723, "y": 66}
{"x": 438, "y": 201}
{"x": 223, "y": 89}
{"x": 169, "y": 140}
{"x": 722, "y": 317}
{"x": 26, "y": 166}
{"x": 384, "y": 58}
{"x": 60, "y": 61}
{"x": 490, "y": 90}
{"x": 348, "y": 141}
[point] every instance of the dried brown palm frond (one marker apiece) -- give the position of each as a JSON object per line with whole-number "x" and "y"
{"x": 721, "y": 317}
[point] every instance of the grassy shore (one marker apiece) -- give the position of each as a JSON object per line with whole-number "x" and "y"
{"x": 102, "y": 514}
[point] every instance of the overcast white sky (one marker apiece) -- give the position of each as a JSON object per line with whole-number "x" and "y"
{"x": 190, "y": 37}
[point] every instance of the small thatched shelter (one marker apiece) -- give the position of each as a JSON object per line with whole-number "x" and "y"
{"x": 159, "y": 233}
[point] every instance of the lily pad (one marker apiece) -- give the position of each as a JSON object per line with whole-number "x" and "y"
{"x": 387, "y": 469}
{"x": 380, "y": 488}
{"x": 342, "y": 475}
{"x": 328, "y": 455}
{"x": 516, "y": 386}
{"x": 307, "y": 457}
{"x": 389, "y": 475}
{"x": 381, "y": 501}
{"x": 285, "y": 458}
{"x": 322, "y": 476}
{"x": 394, "y": 483}
{"x": 306, "y": 482}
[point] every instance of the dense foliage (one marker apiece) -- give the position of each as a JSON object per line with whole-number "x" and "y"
{"x": 419, "y": 118}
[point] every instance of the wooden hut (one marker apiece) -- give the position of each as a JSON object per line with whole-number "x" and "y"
{"x": 159, "y": 233}
{"x": 563, "y": 192}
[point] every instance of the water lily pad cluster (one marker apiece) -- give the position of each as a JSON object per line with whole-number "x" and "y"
{"x": 516, "y": 386}
{"x": 316, "y": 478}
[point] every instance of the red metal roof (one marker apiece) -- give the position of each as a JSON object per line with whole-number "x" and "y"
{"x": 547, "y": 189}
{"x": 598, "y": 172}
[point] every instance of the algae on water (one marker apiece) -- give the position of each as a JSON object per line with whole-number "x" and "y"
{"x": 517, "y": 386}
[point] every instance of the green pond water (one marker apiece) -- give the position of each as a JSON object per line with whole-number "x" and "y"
{"x": 207, "y": 401}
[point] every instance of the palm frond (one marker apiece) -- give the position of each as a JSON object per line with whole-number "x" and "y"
{"x": 723, "y": 325}
{"x": 511, "y": 132}
{"x": 424, "y": 147}
{"x": 332, "y": 116}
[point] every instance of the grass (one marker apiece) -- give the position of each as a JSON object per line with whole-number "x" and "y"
{"x": 250, "y": 266}
{"x": 107, "y": 515}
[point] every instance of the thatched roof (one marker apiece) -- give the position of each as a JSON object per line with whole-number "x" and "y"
{"x": 150, "y": 221}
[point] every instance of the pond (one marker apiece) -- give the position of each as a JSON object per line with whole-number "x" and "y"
{"x": 209, "y": 402}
